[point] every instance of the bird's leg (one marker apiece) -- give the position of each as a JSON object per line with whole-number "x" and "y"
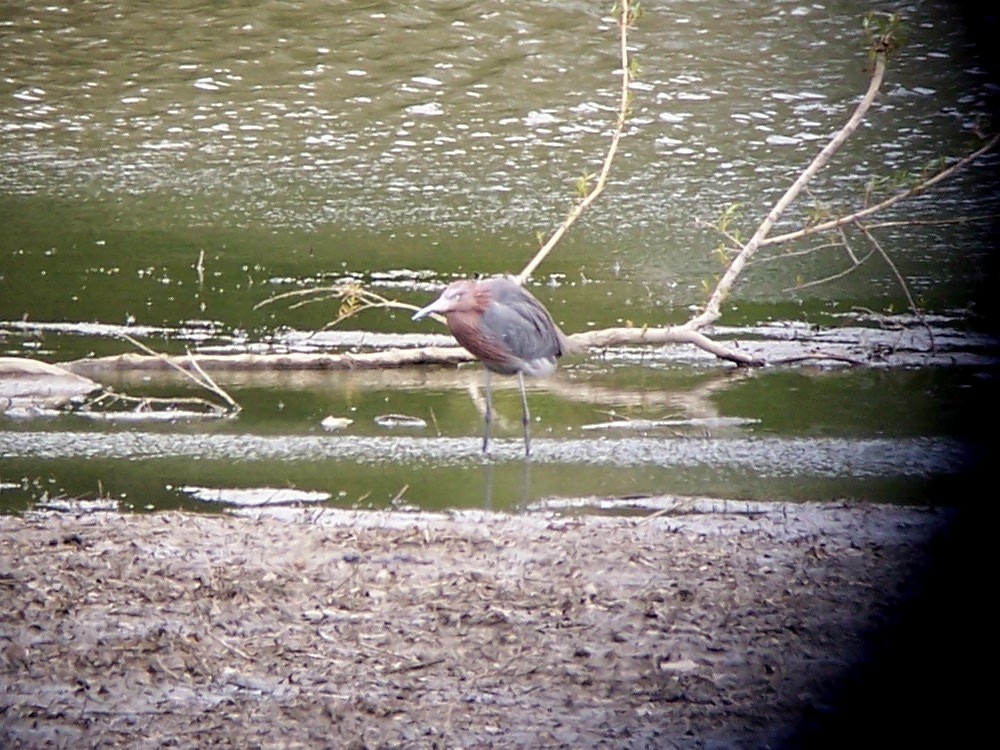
{"x": 488, "y": 416}
{"x": 525, "y": 415}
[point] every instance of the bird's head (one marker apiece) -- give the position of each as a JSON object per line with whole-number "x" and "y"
{"x": 458, "y": 296}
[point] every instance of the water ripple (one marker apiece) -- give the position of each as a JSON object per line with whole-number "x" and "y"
{"x": 266, "y": 94}
{"x": 766, "y": 457}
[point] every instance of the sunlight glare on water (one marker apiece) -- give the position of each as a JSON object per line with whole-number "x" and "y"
{"x": 167, "y": 167}
{"x": 457, "y": 115}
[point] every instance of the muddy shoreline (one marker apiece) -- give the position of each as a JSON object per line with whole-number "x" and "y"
{"x": 784, "y": 626}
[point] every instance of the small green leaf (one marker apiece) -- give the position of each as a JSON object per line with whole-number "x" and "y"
{"x": 583, "y": 184}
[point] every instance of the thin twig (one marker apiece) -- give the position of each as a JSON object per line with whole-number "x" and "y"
{"x": 293, "y": 293}
{"x": 846, "y": 243}
{"x": 355, "y": 299}
{"x": 206, "y": 383}
{"x": 624, "y": 21}
{"x": 212, "y": 385}
{"x": 818, "y": 357}
{"x": 200, "y": 269}
{"x": 399, "y": 496}
{"x": 381, "y": 303}
{"x": 902, "y": 282}
{"x": 832, "y": 277}
{"x": 733, "y": 239}
{"x": 144, "y": 402}
{"x": 855, "y": 263}
{"x": 796, "y": 253}
{"x": 929, "y": 222}
{"x": 168, "y": 360}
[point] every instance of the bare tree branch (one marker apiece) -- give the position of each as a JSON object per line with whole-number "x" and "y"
{"x": 673, "y": 335}
{"x": 625, "y": 20}
{"x": 881, "y": 206}
{"x": 832, "y": 277}
{"x": 199, "y": 377}
{"x": 712, "y": 309}
{"x": 855, "y": 262}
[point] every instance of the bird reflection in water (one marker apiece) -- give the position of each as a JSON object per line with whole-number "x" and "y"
{"x": 524, "y": 499}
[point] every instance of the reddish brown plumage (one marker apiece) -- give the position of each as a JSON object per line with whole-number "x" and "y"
{"x": 506, "y": 328}
{"x": 464, "y": 327}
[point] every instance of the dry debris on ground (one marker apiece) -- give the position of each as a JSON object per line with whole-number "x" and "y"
{"x": 426, "y": 631}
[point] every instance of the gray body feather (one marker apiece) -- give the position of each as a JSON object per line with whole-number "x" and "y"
{"x": 525, "y": 328}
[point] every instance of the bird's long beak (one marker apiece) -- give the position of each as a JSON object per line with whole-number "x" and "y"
{"x": 431, "y": 308}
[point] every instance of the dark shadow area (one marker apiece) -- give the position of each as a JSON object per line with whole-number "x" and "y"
{"x": 924, "y": 680}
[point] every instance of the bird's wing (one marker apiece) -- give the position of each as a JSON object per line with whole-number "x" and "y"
{"x": 516, "y": 318}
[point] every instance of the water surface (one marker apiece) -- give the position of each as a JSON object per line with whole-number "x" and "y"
{"x": 167, "y": 168}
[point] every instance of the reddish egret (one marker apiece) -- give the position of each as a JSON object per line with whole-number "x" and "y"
{"x": 507, "y": 329}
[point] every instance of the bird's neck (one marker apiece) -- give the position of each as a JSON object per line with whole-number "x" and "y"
{"x": 462, "y": 325}
{"x": 465, "y": 327}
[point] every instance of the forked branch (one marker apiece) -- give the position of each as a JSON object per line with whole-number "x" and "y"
{"x": 711, "y": 311}
{"x": 199, "y": 376}
{"x": 864, "y": 213}
{"x": 354, "y": 299}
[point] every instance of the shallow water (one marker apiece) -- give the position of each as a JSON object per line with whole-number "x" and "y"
{"x": 616, "y": 430}
{"x": 163, "y": 170}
